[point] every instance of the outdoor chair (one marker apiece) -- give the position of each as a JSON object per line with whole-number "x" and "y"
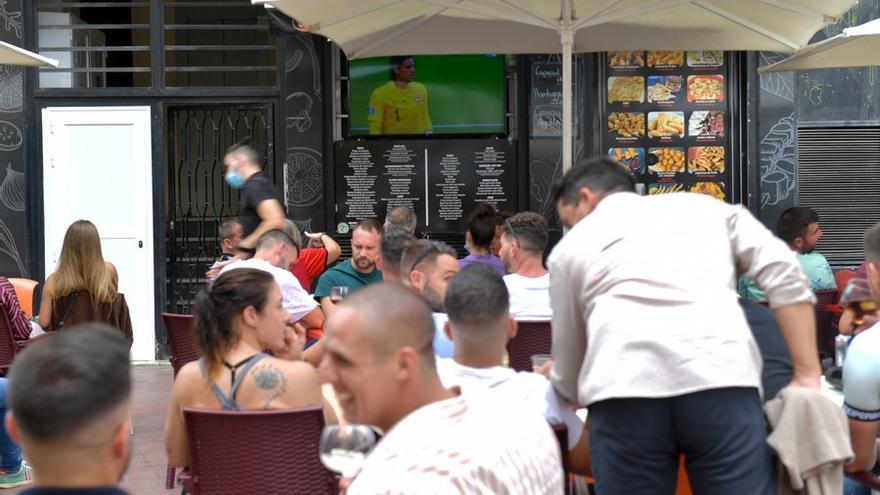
{"x": 826, "y": 321}
{"x": 8, "y": 346}
{"x": 235, "y": 452}
{"x": 561, "y": 432}
{"x": 25, "y": 289}
{"x": 865, "y": 478}
{"x": 179, "y": 335}
{"x": 532, "y": 337}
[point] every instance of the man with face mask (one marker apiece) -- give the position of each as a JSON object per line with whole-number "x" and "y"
{"x": 69, "y": 399}
{"x": 426, "y": 267}
{"x": 261, "y": 207}
{"x": 799, "y": 227}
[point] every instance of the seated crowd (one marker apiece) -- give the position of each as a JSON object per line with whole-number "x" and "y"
{"x": 662, "y": 357}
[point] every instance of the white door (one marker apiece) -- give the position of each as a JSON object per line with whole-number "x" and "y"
{"x": 97, "y": 165}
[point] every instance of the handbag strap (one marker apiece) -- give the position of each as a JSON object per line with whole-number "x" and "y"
{"x": 70, "y": 304}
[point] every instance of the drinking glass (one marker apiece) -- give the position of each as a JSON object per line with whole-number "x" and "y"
{"x": 539, "y": 360}
{"x": 344, "y": 447}
{"x": 857, "y": 297}
{"x": 338, "y": 293}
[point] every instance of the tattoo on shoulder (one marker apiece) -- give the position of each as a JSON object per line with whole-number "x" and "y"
{"x": 269, "y": 378}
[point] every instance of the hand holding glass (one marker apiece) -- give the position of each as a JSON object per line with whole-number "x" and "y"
{"x": 338, "y": 293}
{"x": 344, "y": 447}
{"x": 857, "y": 298}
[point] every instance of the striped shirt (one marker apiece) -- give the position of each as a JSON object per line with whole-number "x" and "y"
{"x": 464, "y": 445}
{"x": 18, "y": 320}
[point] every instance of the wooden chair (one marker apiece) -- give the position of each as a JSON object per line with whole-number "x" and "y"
{"x": 532, "y": 337}
{"x": 561, "y": 432}
{"x": 24, "y": 290}
{"x": 234, "y": 452}
{"x": 179, "y": 335}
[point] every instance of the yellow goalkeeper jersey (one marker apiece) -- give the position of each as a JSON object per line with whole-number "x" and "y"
{"x": 399, "y": 111}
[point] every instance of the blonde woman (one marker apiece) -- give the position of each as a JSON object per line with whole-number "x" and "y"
{"x": 83, "y": 286}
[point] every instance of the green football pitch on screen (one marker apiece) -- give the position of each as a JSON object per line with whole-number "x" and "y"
{"x": 465, "y": 92}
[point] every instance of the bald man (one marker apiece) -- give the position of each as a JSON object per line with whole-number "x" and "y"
{"x": 380, "y": 362}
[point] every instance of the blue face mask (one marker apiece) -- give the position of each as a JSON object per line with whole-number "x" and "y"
{"x": 234, "y": 179}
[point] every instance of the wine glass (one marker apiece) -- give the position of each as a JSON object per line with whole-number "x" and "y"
{"x": 857, "y": 297}
{"x": 337, "y": 293}
{"x": 344, "y": 447}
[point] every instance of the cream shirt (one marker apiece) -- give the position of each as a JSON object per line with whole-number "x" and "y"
{"x": 464, "y": 445}
{"x": 644, "y": 298}
{"x": 294, "y": 298}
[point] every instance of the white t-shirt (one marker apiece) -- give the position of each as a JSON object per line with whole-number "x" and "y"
{"x": 516, "y": 389}
{"x": 529, "y": 296}
{"x": 464, "y": 445}
{"x": 294, "y": 298}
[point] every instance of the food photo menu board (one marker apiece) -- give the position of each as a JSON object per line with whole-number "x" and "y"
{"x": 666, "y": 118}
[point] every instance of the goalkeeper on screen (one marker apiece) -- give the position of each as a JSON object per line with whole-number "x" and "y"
{"x": 400, "y": 106}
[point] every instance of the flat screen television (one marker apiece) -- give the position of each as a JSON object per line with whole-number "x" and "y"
{"x": 427, "y": 95}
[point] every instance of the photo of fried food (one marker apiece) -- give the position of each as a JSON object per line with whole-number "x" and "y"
{"x": 665, "y": 124}
{"x": 626, "y": 59}
{"x": 665, "y": 188}
{"x": 706, "y": 123}
{"x": 706, "y": 159}
{"x": 706, "y": 88}
{"x": 663, "y": 88}
{"x": 669, "y": 160}
{"x": 709, "y": 58}
{"x": 632, "y": 158}
{"x": 665, "y": 57}
{"x": 627, "y": 124}
{"x": 628, "y": 88}
{"x": 713, "y": 189}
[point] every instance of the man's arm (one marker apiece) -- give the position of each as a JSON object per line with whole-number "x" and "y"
{"x": 327, "y": 305}
{"x": 315, "y": 319}
{"x": 568, "y": 330}
{"x": 762, "y": 256}
{"x": 863, "y": 435}
{"x": 334, "y": 251}
{"x": 271, "y": 217}
{"x": 797, "y": 322}
{"x": 375, "y": 113}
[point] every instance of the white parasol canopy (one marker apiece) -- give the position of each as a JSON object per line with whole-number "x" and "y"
{"x": 368, "y": 28}
{"x": 857, "y": 46}
{"x": 13, "y": 55}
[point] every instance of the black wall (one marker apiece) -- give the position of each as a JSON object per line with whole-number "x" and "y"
{"x": 14, "y": 253}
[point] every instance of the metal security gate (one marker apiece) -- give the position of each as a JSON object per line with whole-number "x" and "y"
{"x": 198, "y": 198}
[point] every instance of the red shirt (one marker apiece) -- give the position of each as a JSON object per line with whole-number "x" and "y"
{"x": 311, "y": 264}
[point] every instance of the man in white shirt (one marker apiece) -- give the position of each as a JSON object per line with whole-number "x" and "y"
{"x": 861, "y": 375}
{"x": 647, "y": 332}
{"x": 381, "y": 366}
{"x": 426, "y": 267}
{"x": 480, "y": 326}
{"x": 523, "y": 240}
{"x": 275, "y": 251}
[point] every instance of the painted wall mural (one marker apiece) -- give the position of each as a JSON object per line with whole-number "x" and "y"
{"x": 777, "y": 131}
{"x": 14, "y": 253}
{"x": 303, "y": 161}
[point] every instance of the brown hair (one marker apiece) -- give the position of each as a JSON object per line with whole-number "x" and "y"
{"x": 81, "y": 266}
{"x": 217, "y": 306}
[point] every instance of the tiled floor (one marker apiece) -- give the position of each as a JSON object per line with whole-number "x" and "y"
{"x": 146, "y": 473}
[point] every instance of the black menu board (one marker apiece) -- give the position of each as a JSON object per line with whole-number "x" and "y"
{"x": 441, "y": 180}
{"x": 666, "y": 118}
